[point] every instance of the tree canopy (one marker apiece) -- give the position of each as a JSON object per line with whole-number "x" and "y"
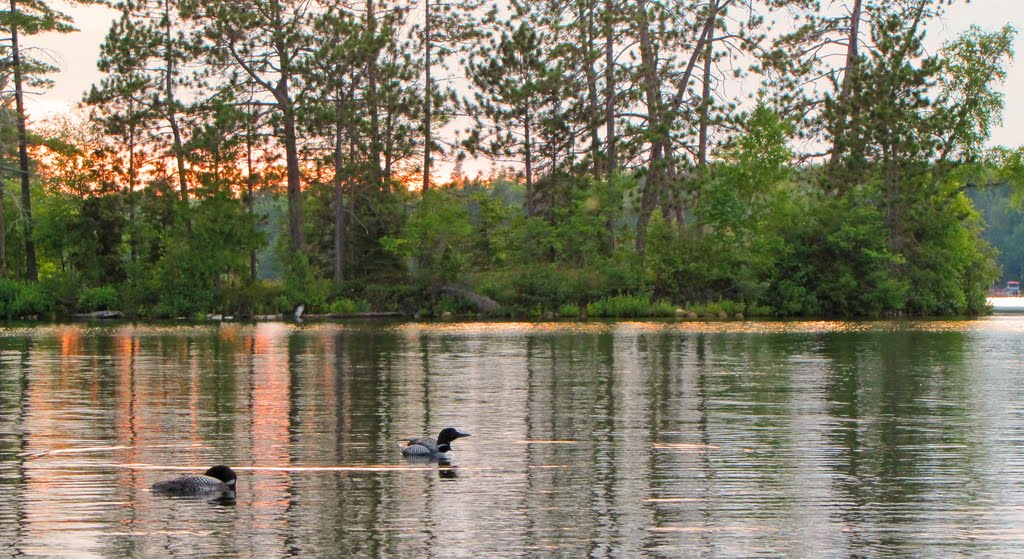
{"x": 247, "y": 157}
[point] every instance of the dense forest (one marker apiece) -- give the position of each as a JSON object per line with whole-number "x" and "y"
{"x": 716, "y": 157}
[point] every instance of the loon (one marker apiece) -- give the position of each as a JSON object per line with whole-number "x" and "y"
{"x": 218, "y": 479}
{"x": 429, "y": 447}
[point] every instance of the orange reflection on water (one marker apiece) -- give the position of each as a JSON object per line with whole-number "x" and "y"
{"x": 126, "y": 396}
{"x": 271, "y": 394}
{"x": 267, "y": 434}
{"x": 70, "y": 341}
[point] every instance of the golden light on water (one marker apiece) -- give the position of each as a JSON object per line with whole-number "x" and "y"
{"x": 88, "y": 450}
{"x": 685, "y": 447}
{"x": 413, "y": 330}
{"x": 704, "y": 529}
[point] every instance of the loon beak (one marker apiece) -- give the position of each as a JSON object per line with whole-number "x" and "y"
{"x": 462, "y": 434}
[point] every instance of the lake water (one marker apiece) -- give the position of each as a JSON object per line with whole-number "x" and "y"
{"x": 727, "y": 439}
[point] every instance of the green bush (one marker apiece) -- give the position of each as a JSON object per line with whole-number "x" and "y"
{"x": 58, "y": 294}
{"x": 32, "y": 300}
{"x": 715, "y": 308}
{"x": 347, "y": 306}
{"x": 9, "y": 291}
{"x": 759, "y": 311}
{"x": 98, "y": 299}
{"x": 629, "y": 306}
{"x": 20, "y": 299}
{"x": 302, "y": 287}
{"x": 569, "y": 310}
{"x": 662, "y": 307}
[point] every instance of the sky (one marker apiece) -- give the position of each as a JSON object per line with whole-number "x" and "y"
{"x": 76, "y": 54}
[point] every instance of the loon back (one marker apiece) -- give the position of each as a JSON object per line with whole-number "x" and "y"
{"x": 439, "y": 447}
{"x": 426, "y": 446}
{"x": 218, "y": 479}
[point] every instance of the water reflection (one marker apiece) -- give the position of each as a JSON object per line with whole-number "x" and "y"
{"x": 629, "y": 439}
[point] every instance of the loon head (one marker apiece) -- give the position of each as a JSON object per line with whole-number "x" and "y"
{"x": 225, "y": 474}
{"x": 449, "y": 434}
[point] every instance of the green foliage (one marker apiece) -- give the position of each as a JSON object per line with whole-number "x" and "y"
{"x": 302, "y": 287}
{"x": 23, "y": 299}
{"x": 877, "y": 227}
{"x": 969, "y": 103}
{"x": 178, "y": 271}
{"x": 347, "y": 306}
{"x": 949, "y": 266}
{"x": 684, "y": 265}
{"x": 99, "y": 299}
{"x": 58, "y": 294}
{"x": 9, "y": 290}
{"x": 761, "y": 241}
{"x": 834, "y": 262}
{"x": 32, "y": 301}
{"x": 629, "y": 306}
{"x": 726, "y": 308}
{"x": 436, "y": 240}
{"x": 1005, "y": 228}
{"x": 569, "y": 310}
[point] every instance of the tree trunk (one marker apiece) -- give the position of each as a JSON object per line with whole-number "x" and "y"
{"x": 528, "y": 156}
{"x": 285, "y": 104}
{"x": 250, "y": 181}
{"x": 652, "y": 182}
{"x": 282, "y": 94}
{"x": 339, "y": 201}
{"x": 609, "y": 87}
{"x": 353, "y": 154}
{"x": 132, "y": 172}
{"x": 389, "y": 145}
{"x": 702, "y": 148}
{"x": 295, "y": 227}
{"x": 26, "y": 190}
{"x": 705, "y": 109}
{"x": 3, "y": 237}
{"x": 852, "y": 48}
{"x": 371, "y": 91}
{"x": 593, "y": 113}
{"x": 661, "y": 152}
{"x": 427, "y": 116}
{"x": 172, "y": 113}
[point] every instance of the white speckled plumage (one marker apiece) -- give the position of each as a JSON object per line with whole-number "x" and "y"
{"x": 435, "y": 448}
{"x": 218, "y": 479}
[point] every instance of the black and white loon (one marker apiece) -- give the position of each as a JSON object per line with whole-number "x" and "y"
{"x": 218, "y": 479}
{"x": 429, "y": 447}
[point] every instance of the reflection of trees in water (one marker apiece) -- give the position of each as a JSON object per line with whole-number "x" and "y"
{"x": 579, "y": 391}
{"x": 645, "y": 439}
{"x": 905, "y": 438}
{"x": 13, "y": 386}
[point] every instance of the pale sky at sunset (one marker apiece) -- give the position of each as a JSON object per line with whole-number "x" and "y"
{"x": 76, "y": 55}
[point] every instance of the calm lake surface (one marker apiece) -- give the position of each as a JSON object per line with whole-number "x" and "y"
{"x": 730, "y": 439}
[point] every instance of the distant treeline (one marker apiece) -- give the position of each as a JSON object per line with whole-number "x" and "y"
{"x": 243, "y": 158}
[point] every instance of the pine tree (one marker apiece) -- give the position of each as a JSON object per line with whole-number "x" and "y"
{"x": 515, "y": 83}
{"x": 265, "y": 41}
{"x": 348, "y": 52}
{"x": 448, "y": 28}
{"x": 27, "y": 18}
